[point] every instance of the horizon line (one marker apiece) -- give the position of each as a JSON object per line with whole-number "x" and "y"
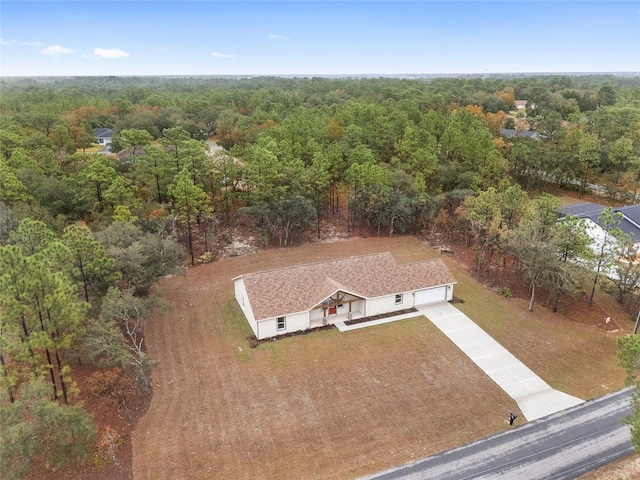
{"x": 253, "y": 75}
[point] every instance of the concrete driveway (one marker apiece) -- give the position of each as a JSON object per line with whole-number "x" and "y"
{"x": 534, "y": 396}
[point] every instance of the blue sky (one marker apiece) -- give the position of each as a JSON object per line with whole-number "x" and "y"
{"x": 317, "y": 37}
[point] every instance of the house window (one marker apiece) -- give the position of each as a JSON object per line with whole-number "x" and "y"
{"x": 281, "y": 323}
{"x": 398, "y": 298}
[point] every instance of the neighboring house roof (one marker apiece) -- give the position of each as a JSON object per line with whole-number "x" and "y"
{"x": 510, "y": 133}
{"x": 632, "y": 212}
{"x": 299, "y": 288}
{"x": 103, "y": 132}
{"x": 529, "y": 133}
{"x": 520, "y": 104}
{"x": 629, "y": 224}
{"x": 625, "y": 225}
{"x": 581, "y": 210}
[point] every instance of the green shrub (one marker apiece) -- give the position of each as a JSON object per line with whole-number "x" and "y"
{"x": 207, "y": 257}
{"x": 506, "y": 292}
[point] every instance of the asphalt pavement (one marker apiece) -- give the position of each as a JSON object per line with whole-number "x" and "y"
{"x": 563, "y": 446}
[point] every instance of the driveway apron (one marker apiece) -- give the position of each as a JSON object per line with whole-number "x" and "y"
{"x": 534, "y": 396}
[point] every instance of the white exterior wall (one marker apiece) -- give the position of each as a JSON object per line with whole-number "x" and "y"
{"x": 357, "y": 306}
{"x": 387, "y": 304}
{"x": 243, "y": 300}
{"x": 449, "y": 292}
{"x": 342, "y": 310}
{"x": 315, "y": 314}
{"x": 293, "y": 323}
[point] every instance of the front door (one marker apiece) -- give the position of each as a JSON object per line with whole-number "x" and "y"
{"x": 333, "y": 310}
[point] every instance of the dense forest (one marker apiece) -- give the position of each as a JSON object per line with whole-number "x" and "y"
{"x": 85, "y": 233}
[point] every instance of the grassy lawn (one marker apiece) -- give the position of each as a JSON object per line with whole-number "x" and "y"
{"x": 330, "y": 405}
{"x": 575, "y": 358}
{"x": 94, "y": 148}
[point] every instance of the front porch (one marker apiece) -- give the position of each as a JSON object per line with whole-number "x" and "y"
{"x": 333, "y": 318}
{"x": 339, "y": 307}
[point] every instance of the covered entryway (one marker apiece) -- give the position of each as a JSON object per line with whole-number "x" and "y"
{"x": 339, "y": 306}
{"x": 431, "y": 295}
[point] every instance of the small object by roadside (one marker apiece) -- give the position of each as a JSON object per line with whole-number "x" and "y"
{"x": 512, "y": 417}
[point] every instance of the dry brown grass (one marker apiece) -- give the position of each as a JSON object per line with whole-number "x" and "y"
{"x": 330, "y": 405}
{"x": 627, "y": 468}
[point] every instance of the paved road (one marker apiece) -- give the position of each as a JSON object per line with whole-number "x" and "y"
{"x": 561, "y": 446}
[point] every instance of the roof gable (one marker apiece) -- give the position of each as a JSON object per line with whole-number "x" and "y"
{"x": 632, "y": 212}
{"x": 299, "y": 288}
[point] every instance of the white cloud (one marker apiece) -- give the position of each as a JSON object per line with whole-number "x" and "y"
{"x": 35, "y": 44}
{"x": 57, "y": 50}
{"x": 278, "y": 37}
{"x": 222, "y": 55}
{"x": 3, "y": 41}
{"x": 110, "y": 53}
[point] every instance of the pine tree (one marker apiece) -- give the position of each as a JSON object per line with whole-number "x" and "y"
{"x": 188, "y": 199}
{"x": 94, "y": 269}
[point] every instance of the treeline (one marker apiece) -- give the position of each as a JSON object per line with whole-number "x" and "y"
{"x": 387, "y": 144}
{"x": 84, "y": 234}
{"x": 68, "y": 300}
{"x": 559, "y": 256}
{"x": 299, "y": 151}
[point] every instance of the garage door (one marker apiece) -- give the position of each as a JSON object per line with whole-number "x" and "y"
{"x": 431, "y": 295}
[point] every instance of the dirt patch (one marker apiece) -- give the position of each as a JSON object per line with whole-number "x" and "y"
{"x": 118, "y": 413}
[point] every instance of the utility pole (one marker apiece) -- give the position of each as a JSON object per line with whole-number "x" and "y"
{"x": 635, "y": 328}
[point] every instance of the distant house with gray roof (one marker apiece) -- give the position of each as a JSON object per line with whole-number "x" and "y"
{"x": 591, "y": 212}
{"x": 104, "y": 135}
{"x": 291, "y": 299}
{"x": 510, "y": 133}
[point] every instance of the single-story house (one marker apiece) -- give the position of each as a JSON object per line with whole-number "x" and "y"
{"x": 306, "y": 296}
{"x": 103, "y": 135}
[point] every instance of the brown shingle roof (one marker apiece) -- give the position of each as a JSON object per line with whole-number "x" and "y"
{"x": 299, "y": 288}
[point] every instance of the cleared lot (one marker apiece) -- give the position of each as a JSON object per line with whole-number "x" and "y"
{"x": 329, "y": 405}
